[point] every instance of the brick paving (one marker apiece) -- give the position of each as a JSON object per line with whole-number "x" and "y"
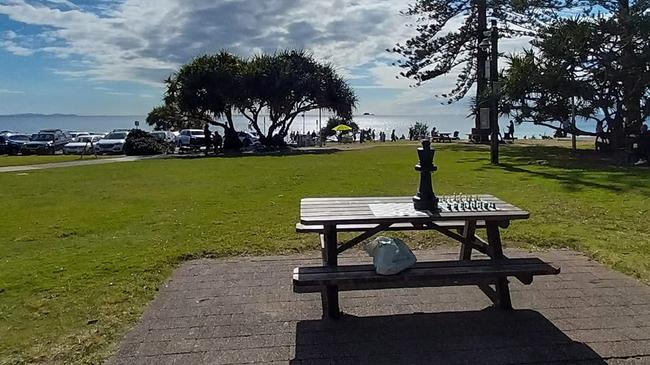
{"x": 243, "y": 310}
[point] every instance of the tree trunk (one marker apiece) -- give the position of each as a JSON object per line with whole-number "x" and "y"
{"x": 632, "y": 93}
{"x": 231, "y": 140}
{"x": 481, "y": 79}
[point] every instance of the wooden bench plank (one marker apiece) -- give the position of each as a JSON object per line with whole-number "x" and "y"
{"x": 304, "y": 228}
{"x": 423, "y": 274}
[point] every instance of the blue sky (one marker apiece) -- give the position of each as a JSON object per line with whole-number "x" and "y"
{"x": 110, "y": 57}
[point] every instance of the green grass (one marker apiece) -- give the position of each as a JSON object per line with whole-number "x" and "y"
{"x": 36, "y": 159}
{"x": 93, "y": 243}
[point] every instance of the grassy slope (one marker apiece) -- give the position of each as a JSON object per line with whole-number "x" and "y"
{"x": 93, "y": 243}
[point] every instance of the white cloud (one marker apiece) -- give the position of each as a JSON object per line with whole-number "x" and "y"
{"x": 145, "y": 40}
{"x": 65, "y": 3}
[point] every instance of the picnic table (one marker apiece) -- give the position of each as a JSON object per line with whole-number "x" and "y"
{"x": 372, "y": 215}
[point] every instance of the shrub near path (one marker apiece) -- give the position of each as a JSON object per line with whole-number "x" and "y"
{"x": 83, "y": 249}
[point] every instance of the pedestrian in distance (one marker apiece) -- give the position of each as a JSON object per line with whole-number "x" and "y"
{"x": 208, "y": 137}
{"x": 217, "y": 141}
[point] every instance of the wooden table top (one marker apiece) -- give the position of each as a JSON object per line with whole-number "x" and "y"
{"x": 346, "y": 210}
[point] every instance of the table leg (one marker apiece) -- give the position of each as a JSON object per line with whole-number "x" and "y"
{"x": 468, "y": 238}
{"x": 330, "y": 294}
{"x": 496, "y": 252}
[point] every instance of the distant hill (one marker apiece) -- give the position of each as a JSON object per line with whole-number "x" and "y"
{"x": 36, "y": 115}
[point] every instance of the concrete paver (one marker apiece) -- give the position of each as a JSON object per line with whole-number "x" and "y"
{"x": 243, "y": 311}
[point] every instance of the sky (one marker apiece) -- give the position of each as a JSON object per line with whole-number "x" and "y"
{"x": 109, "y": 57}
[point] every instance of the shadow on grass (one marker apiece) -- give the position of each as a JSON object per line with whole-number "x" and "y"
{"x": 479, "y": 337}
{"x": 279, "y": 153}
{"x": 574, "y": 170}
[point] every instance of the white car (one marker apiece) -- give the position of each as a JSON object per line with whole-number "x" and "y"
{"x": 112, "y": 143}
{"x": 248, "y": 139}
{"x": 82, "y": 145}
{"x": 76, "y": 134}
{"x": 191, "y": 139}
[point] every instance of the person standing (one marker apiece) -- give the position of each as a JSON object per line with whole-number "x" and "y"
{"x": 207, "y": 135}
{"x": 393, "y": 137}
{"x": 511, "y": 130}
{"x": 217, "y": 142}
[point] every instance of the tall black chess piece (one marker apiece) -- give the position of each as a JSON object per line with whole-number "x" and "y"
{"x": 425, "y": 199}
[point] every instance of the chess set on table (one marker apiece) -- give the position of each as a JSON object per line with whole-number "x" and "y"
{"x": 465, "y": 203}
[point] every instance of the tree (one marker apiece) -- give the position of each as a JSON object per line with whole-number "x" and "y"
{"x": 167, "y": 117}
{"x": 580, "y": 65}
{"x": 418, "y": 130}
{"x": 211, "y": 88}
{"x": 288, "y": 84}
{"x": 435, "y": 50}
{"x": 208, "y": 90}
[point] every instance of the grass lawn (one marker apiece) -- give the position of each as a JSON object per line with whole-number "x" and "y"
{"x": 83, "y": 249}
{"x": 37, "y": 159}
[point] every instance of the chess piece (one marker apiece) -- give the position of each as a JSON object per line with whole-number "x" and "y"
{"x": 425, "y": 199}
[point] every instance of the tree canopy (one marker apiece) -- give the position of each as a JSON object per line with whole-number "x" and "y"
{"x": 212, "y": 88}
{"x": 583, "y": 64}
{"x": 437, "y": 50}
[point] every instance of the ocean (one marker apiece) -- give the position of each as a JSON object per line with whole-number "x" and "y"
{"x": 32, "y": 123}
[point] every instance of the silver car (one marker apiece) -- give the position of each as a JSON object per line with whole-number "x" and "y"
{"x": 112, "y": 143}
{"x": 83, "y": 145}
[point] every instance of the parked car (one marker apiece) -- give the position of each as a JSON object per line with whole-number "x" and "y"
{"x": 47, "y": 141}
{"x": 248, "y": 139}
{"x": 12, "y": 144}
{"x": 112, "y": 142}
{"x": 5, "y": 133}
{"x": 84, "y": 144}
{"x": 166, "y": 137}
{"x": 190, "y": 139}
{"x": 76, "y": 134}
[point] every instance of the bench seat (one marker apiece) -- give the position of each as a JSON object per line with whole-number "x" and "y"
{"x": 422, "y": 274}
{"x": 303, "y": 228}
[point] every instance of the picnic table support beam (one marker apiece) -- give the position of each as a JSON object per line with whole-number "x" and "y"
{"x": 468, "y": 240}
{"x": 362, "y": 237}
{"x": 330, "y": 293}
{"x": 496, "y": 252}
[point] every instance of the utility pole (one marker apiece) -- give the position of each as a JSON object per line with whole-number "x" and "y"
{"x": 494, "y": 95}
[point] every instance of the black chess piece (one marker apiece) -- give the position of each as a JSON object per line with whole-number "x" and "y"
{"x": 425, "y": 199}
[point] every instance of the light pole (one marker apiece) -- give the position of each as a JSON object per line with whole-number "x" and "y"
{"x": 303, "y": 123}
{"x": 492, "y": 45}
{"x": 320, "y": 129}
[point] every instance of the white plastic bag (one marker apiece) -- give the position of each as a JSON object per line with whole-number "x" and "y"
{"x": 390, "y": 255}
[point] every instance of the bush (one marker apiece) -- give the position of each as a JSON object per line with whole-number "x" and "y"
{"x": 139, "y": 142}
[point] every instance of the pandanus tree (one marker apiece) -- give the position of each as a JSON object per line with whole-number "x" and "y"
{"x": 209, "y": 89}
{"x": 212, "y": 88}
{"x": 288, "y": 84}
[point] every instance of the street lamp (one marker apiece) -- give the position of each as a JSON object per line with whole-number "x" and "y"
{"x": 491, "y": 44}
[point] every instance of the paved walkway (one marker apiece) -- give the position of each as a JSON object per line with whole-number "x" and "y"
{"x": 242, "y": 311}
{"x": 84, "y": 162}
